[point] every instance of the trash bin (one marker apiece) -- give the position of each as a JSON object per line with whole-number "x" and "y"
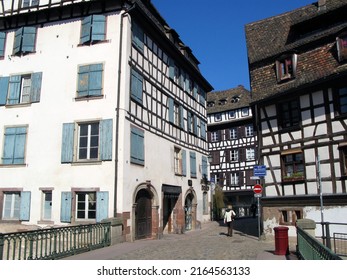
{"x": 281, "y": 241}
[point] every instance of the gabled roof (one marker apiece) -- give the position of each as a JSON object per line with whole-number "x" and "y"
{"x": 310, "y": 32}
{"x": 281, "y": 33}
{"x": 226, "y": 100}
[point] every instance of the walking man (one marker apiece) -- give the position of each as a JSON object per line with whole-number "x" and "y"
{"x": 229, "y": 218}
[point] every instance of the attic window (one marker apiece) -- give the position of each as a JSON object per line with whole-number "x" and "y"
{"x": 210, "y": 104}
{"x": 222, "y": 101}
{"x": 235, "y": 99}
{"x": 341, "y": 43}
{"x": 286, "y": 67}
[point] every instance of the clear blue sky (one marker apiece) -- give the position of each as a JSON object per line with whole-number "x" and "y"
{"x": 215, "y": 31}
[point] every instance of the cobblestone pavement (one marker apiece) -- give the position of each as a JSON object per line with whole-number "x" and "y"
{"x": 208, "y": 243}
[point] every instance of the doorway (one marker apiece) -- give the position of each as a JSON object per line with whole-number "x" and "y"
{"x": 143, "y": 215}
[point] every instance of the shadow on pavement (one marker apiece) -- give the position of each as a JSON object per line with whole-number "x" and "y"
{"x": 247, "y": 226}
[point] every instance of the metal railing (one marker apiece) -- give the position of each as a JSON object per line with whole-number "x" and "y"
{"x": 54, "y": 243}
{"x": 309, "y": 248}
{"x": 334, "y": 236}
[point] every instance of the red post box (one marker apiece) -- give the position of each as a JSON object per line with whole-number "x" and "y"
{"x": 281, "y": 241}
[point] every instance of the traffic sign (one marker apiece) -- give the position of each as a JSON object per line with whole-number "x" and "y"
{"x": 257, "y": 195}
{"x": 259, "y": 170}
{"x": 257, "y": 189}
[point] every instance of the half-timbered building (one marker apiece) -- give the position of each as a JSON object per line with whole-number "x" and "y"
{"x": 232, "y": 146}
{"x": 102, "y": 115}
{"x": 297, "y": 63}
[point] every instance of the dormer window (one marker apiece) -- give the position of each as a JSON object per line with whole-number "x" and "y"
{"x": 222, "y": 101}
{"x": 341, "y": 43}
{"x": 235, "y": 99}
{"x": 210, "y": 104}
{"x": 286, "y": 67}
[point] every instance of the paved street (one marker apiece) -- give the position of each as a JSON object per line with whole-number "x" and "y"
{"x": 208, "y": 243}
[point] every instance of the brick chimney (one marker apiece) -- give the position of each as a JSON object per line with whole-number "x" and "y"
{"x": 322, "y": 5}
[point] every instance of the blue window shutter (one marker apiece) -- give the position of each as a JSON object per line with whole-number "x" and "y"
{"x": 184, "y": 163}
{"x": 95, "y": 79}
{"x": 90, "y": 80}
{"x": 202, "y": 96}
{"x": 195, "y": 125}
{"x": 9, "y": 145}
{"x": 66, "y": 204}
{"x": 2, "y": 43}
{"x": 14, "y": 146}
{"x": 171, "y": 69}
{"x": 171, "y": 110}
{"x": 29, "y": 37}
{"x": 181, "y": 117}
{"x": 195, "y": 92}
{"x": 189, "y": 121}
{"x": 137, "y": 146}
{"x": 203, "y": 129}
{"x": 106, "y": 133}
{"x": 83, "y": 80}
{"x": 187, "y": 83}
{"x": 101, "y": 206}
{"x": 192, "y": 157}
{"x": 136, "y": 86}
{"x": 137, "y": 36}
{"x": 24, "y": 214}
{"x": 86, "y": 29}
{"x": 4, "y": 82}
{"x": 35, "y": 91}
{"x": 204, "y": 166}
{"x": 67, "y": 143}
{"x": 17, "y": 40}
{"x": 98, "y": 28}
{"x": 19, "y": 151}
{"x": 14, "y": 90}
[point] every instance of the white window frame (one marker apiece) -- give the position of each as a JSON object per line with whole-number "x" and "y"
{"x": 249, "y": 131}
{"x": 245, "y": 112}
{"x": 89, "y": 146}
{"x": 234, "y": 179}
{"x": 14, "y": 206}
{"x": 178, "y": 161}
{"x": 250, "y": 154}
{"x": 214, "y": 136}
{"x": 86, "y": 201}
{"x": 232, "y": 114}
{"x": 46, "y": 214}
{"x": 25, "y": 89}
{"x": 218, "y": 117}
{"x": 233, "y": 133}
{"x": 234, "y": 155}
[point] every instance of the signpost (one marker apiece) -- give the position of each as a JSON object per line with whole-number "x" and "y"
{"x": 258, "y": 189}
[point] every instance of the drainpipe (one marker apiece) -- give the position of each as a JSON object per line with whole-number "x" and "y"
{"x": 118, "y": 108}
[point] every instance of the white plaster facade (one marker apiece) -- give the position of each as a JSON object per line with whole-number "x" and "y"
{"x": 58, "y": 55}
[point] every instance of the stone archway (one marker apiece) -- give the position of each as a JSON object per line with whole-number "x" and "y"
{"x": 190, "y": 205}
{"x": 145, "y": 216}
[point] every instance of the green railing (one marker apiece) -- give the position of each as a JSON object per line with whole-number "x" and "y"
{"x": 54, "y": 243}
{"x": 309, "y": 248}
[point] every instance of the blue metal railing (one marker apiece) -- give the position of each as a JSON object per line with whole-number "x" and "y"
{"x": 54, "y": 243}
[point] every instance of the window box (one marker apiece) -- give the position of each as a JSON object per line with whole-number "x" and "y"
{"x": 298, "y": 176}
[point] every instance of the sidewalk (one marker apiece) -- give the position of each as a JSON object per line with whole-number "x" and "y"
{"x": 208, "y": 243}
